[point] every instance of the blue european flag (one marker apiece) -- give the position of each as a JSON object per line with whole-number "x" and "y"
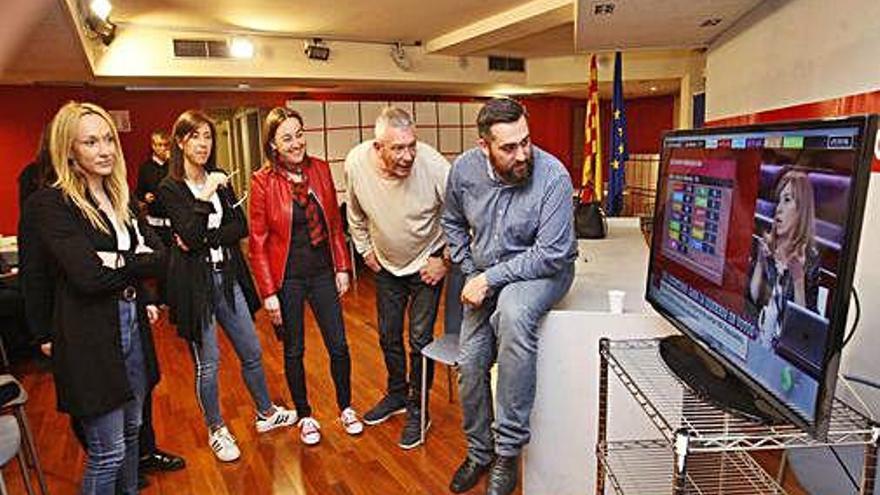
{"x": 619, "y": 153}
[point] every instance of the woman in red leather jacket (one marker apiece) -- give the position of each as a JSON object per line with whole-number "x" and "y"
{"x": 298, "y": 253}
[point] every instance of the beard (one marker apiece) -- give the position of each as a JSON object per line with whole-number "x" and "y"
{"x": 517, "y": 174}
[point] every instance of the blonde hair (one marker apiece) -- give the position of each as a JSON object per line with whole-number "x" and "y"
{"x": 802, "y": 191}
{"x": 71, "y": 181}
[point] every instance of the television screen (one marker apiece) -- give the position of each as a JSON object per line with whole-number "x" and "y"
{"x": 755, "y": 239}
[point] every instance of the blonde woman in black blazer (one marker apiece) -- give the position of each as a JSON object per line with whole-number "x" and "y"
{"x": 102, "y": 354}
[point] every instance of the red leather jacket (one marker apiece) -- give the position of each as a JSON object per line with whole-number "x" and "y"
{"x": 271, "y": 214}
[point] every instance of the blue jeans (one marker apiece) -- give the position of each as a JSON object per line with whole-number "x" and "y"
{"x": 506, "y": 326}
{"x": 320, "y": 291}
{"x": 393, "y": 295}
{"x": 239, "y": 328}
{"x": 112, "y": 438}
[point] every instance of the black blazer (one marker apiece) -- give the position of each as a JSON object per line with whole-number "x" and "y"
{"x": 87, "y": 361}
{"x": 36, "y": 275}
{"x": 189, "y": 281}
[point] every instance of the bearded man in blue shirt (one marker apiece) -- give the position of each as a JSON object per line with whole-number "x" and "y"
{"x": 509, "y": 223}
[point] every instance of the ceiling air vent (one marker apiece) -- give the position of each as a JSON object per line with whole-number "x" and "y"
{"x": 603, "y": 8}
{"x": 201, "y": 48}
{"x": 507, "y": 64}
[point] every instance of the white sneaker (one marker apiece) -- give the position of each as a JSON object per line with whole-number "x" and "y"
{"x": 279, "y": 417}
{"x": 309, "y": 430}
{"x": 350, "y": 422}
{"x": 223, "y": 444}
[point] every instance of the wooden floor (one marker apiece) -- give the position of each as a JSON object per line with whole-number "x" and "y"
{"x": 275, "y": 462}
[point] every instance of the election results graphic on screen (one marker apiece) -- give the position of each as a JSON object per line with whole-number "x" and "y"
{"x": 698, "y": 200}
{"x": 751, "y": 252}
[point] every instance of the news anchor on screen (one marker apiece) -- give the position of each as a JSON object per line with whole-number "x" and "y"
{"x": 785, "y": 266}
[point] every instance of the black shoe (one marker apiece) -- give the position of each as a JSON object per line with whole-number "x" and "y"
{"x": 161, "y": 461}
{"x": 411, "y": 436}
{"x": 467, "y": 475}
{"x": 387, "y": 407}
{"x": 504, "y": 475}
{"x": 143, "y": 481}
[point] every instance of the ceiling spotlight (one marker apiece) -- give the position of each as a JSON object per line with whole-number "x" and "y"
{"x": 98, "y": 20}
{"x": 101, "y": 9}
{"x": 241, "y": 48}
{"x": 653, "y": 89}
{"x": 398, "y": 55}
{"x": 317, "y": 50}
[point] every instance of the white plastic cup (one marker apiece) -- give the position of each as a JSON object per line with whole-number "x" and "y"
{"x": 615, "y": 301}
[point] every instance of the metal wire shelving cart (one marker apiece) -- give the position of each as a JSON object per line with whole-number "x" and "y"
{"x": 702, "y": 449}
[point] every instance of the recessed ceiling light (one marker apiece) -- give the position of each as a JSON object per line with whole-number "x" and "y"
{"x": 653, "y": 89}
{"x": 241, "y": 48}
{"x": 714, "y": 21}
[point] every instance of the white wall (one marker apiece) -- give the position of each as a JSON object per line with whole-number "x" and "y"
{"x": 796, "y": 51}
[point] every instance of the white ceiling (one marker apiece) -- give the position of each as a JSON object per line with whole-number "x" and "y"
{"x": 638, "y": 24}
{"x": 387, "y": 20}
{"x": 49, "y": 49}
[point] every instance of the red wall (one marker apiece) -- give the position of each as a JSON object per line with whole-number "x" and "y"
{"x": 835, "y": 107}
{"x": 550, "y": 125}
{"x": 862, "y": 103}
{"x": 24, "y": 110}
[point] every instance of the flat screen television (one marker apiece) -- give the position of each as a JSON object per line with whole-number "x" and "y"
{"x": 756, "y": 231}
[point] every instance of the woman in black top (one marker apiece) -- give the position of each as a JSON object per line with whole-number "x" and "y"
{"x": 208, "y": 279}
{"x": 102, "y": 353}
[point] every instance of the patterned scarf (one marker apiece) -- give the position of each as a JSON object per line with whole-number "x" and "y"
{"x": 299, "y": 180}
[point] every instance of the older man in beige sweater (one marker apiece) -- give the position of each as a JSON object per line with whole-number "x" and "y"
{"x": 396, "y": 186}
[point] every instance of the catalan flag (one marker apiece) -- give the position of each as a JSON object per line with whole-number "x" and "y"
{"x": 619, "y": 153}
{"x": 591, "y": 180}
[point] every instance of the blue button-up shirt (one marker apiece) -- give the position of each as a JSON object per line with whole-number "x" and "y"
{"x": 510, "y": 232}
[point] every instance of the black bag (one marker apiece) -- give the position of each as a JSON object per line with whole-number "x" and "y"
{"x": 589, "y": 221}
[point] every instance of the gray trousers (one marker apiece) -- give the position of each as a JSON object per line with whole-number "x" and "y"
{"x": 504, "y": 327}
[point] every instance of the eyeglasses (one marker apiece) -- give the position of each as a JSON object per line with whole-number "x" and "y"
{"x": 401, "y": 149}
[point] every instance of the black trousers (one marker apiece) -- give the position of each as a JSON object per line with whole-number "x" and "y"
{"x": 394, "y": 295}
{"x": 320, "y": 291}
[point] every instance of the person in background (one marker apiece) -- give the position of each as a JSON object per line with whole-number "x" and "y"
{"x": 34, "y": 262}
{"x": 102, "y": 354}
{"x": 786, "y": 262}
{"x": 38, "y": 172}
{"x": 396, "y": 187}
{"x": 509, "y": 223}
{"x": 150, "y": 175}
{"x": 298, "y": 252}
{"x": 211, "y": 282}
